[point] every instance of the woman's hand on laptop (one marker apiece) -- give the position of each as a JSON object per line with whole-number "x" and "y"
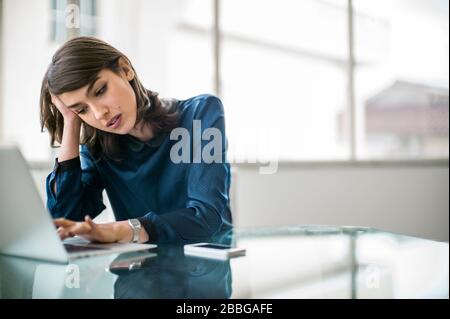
{"x": 102, "y": 233}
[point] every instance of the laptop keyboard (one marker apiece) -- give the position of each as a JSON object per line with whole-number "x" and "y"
{"x": 79, "y": 248}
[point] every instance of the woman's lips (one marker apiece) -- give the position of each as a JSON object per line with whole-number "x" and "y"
{"x": 115, "y": 121}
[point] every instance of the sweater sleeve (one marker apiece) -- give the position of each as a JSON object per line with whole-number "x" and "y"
{"x": 78, "y": 188}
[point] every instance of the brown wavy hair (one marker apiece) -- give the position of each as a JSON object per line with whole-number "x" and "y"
{"x": 75, "y": 65}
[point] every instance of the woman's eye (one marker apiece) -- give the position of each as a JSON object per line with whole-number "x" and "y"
{"x": 101, "y": 91}
{"x": 81, "y": 111}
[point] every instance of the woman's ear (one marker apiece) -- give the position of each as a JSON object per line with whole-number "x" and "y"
{"x": 126, "y": 68}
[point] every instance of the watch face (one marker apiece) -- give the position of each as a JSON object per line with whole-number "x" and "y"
{"x": 136, "y": 226}
{"x": 135, "y": 222}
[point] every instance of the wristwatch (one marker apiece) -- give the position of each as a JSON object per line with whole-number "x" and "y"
{"x": 135, "y": 225}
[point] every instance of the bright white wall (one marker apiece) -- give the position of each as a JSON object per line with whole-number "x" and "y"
{"x": 409, "y": 199}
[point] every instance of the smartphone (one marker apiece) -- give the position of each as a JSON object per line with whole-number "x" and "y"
{"x": 213, "y": 250}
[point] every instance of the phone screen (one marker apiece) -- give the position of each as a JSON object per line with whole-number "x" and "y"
{"x": 214, "y": 246}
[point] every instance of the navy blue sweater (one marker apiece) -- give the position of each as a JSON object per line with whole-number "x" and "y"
{"x": 175, "y": 202}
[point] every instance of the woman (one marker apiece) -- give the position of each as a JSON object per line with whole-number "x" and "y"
{"x": 91, "y": 96}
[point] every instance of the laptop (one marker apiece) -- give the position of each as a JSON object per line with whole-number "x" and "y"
{"x": 26, "y": 227}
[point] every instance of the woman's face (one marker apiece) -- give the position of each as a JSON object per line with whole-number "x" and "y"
{"x": 107, "y": 104}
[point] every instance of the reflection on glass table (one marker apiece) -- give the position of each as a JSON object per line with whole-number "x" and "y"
{"x": 293, "y": 262}
{"x": 174, "y": 275}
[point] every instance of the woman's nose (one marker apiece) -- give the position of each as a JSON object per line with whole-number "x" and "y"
{"x": 99, "y": 112}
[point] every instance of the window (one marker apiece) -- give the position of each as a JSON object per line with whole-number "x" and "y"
{"x": 284, "y": 78}
{"x": 76, "y": 15}
{"x": 190, "y": 59}
{"x": 284, "y": 70}
{"x": 402, "y": 78}
{"x": 285, "y": 67}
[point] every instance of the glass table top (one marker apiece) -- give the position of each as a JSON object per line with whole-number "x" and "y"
{"x": 290, "y": 262}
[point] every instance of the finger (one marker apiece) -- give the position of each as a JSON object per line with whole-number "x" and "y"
{"x": 56, "y": 100}
{"x": 62, "y": 222}
{"x": 62, "y": 233}
{"x": 80, "y": 228}
{"x": 59, "y": 104}
{"x": 89, "y": 220}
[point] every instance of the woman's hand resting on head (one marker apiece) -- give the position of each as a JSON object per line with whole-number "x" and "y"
{"x": 70, "y": 117}
{"x": 71, "y": 133}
